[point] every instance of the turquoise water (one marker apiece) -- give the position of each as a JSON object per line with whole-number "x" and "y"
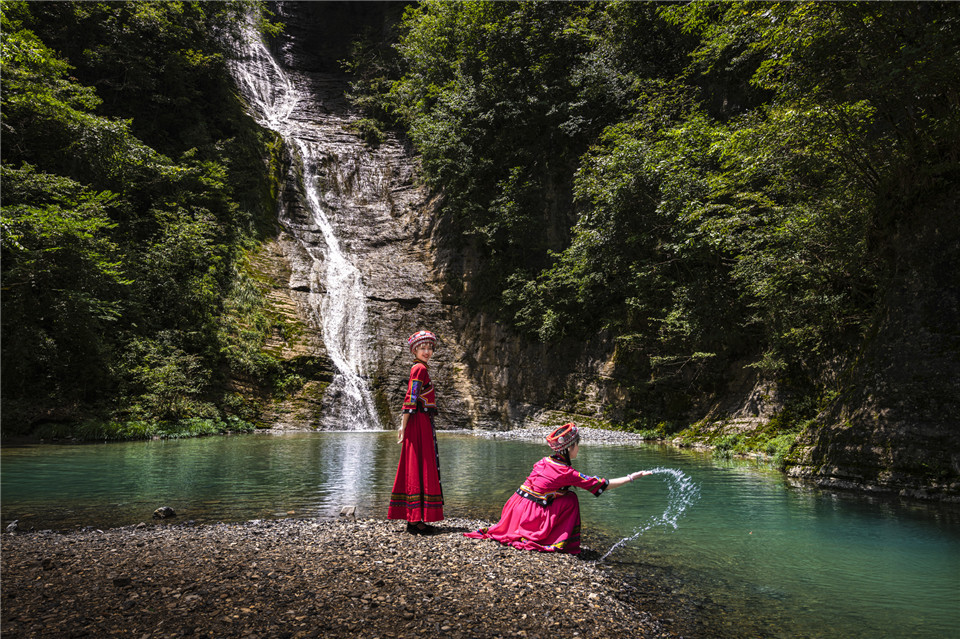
{"x": 750, "y": 556}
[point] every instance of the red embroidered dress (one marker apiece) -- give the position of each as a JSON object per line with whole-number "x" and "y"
{"x": 544, "y": 514}
{"x": 417, "y": 494}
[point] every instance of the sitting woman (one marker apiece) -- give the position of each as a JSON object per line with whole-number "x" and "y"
{"x": 544, "y": 513}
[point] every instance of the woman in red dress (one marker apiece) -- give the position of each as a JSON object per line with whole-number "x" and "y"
{"x": 544, "y": 514}
{"x": 417, "y": 495}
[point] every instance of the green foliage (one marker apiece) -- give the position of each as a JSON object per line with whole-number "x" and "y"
{"x": 62, "y": 281}
{"x": 774, "y": 439}
{"x": 373, "y": 64}
{"x": 163, "y": 380}
{"x": 715, "y": 184}
{"x": 133, "y": 183}
{"x": 160, "y": 62}
{"x": 776, "y": 446}
{"x": 500, "y": 99}
{"x": 133, "y": 430}
{"x": 369, "y": 129}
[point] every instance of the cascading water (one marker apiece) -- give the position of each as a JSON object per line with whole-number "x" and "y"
{"x": 682, "y": 493}
{"x": 337, "y": 296}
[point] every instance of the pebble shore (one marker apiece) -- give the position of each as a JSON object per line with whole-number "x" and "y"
{"x": 305, "y": 578}
{"x": 588, "y": 435}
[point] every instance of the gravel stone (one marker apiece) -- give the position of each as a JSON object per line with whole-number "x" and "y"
{"x": 305, "y": 578}
{"x": 588, "y": 435}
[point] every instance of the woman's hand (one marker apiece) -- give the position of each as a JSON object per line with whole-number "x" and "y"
{"x": 626, "y": 479}
{"x": 400, "y": 434}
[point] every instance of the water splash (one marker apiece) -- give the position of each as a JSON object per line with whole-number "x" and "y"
{"x": 337, "y": 296}
{"x": 682, "y": 493}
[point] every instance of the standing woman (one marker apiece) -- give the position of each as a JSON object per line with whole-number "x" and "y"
{"x": 544, "y": 514}
{"x": 417, "y": 495}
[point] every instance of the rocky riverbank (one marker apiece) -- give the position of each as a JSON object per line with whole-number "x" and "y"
{"x": 538, "y": 432}
{"x": 307, "y": 578}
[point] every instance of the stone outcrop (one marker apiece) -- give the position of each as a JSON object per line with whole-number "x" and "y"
{"x": 896, "y": 430}
{"x": 385, "y": 220}
{"x": 295, "y": 341}
{"x": 377, "y": 209}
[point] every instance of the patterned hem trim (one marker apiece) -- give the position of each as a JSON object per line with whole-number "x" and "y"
{"x": 415, "y": 505}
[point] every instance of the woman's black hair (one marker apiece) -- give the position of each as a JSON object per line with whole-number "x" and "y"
{"x": 563, "y": 455}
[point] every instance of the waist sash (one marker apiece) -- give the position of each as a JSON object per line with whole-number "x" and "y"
{"x": 544, "y": 499}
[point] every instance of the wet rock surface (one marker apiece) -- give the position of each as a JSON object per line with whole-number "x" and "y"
{"x": 378, "y": 211}
{"x": 307, "y": 578}
{"x": 413, "y": 268}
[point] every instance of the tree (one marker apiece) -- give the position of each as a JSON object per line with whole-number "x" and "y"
{"x": 118, "y": 260}
{"x": 714, "y": 183}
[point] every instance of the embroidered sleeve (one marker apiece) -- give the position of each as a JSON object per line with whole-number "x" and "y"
{"x": 414, "y": 389}
{"x": 595, "y": 485}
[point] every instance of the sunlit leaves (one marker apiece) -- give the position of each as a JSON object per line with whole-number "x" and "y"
{"x": 739, "y": 168}
{"x": 55, "y": 234}
{"x": 116, "y": 257}
{"x": 487, "y": 99}
{"x": 33, "y": 73}
{"x": 160, "y": 379}
{"x": 63, "y": 279}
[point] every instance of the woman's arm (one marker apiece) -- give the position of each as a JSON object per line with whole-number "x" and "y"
{"x": 410, "y": 402}
{"x": 626, "y": 479}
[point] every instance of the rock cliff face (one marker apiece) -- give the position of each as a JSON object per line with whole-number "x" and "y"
{"x": 294, "y": 340}
{"x": 385, "y": 221}
{"x": 897, "y": 429}
{"x": 375, "y": 207}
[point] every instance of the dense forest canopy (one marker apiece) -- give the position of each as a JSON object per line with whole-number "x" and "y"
{"x": 132, "y": 183}
{"x": 716, "y": 184}
{"x": 717, "y": 187}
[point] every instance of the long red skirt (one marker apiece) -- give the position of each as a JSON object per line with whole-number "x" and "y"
{"x": 529, "y": 526}
{"x": 417, "y": 494}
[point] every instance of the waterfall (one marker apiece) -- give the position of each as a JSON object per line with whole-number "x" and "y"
{"x": 337, "y": 297}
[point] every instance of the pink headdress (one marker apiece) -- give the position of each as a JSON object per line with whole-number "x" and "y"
{"x": 563, "y": 437}
{"x": 420, "y": 336}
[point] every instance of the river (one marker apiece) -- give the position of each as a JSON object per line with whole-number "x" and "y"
{"x": 756, "y": 555}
